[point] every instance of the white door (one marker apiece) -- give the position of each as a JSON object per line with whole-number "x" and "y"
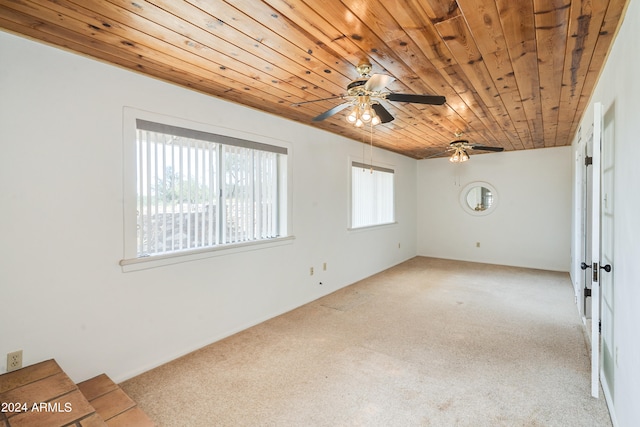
{"x": 606, "y": 254}
{"x": 581, "y": 249}
{"x": 587, "y": 202}
{"x": 595, "y": 250}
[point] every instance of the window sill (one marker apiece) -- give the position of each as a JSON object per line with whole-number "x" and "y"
{"x": 372, "y": 227}
{"x": 143, "y": 263}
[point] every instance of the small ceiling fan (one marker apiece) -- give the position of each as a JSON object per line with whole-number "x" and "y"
{"x": 363, "y": 94}
{"x": 460, "y": 148}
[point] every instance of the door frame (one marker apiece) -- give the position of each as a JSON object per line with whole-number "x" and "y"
{"x": 607, "y": 256}
{"x": 595, "y": 249}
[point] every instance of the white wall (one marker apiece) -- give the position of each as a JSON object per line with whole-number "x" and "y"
{"x": 531, "y": 225}
{"x": 63, "y": 294}
{"x": 619, "y": 91}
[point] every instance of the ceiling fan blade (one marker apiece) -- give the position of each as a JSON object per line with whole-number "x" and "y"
{"x": 385, "y": 116}
{"x": 486, "y": 148}
{"x": 442, "y": 153}
{"x": 377, "y": 82}
{"x": 331, "y": 112}
{"x": 297, "y": 104}
{"x": 417, "y": 99}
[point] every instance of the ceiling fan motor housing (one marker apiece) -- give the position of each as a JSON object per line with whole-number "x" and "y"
{"x": 356, "y": 87}
{"x": 459, "y": 142}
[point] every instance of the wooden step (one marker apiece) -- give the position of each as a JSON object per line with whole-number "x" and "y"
{"x": 43, "y": 395}
{"x": 97, "y": 386}
{"x": 112, "y": 403}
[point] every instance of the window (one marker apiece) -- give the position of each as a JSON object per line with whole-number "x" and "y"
{"x": 198, "y": 190}
{"x": 372, "y": 195}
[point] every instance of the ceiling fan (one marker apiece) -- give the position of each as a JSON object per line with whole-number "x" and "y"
{"x": 460, "y": 148}
{"x": 363, "y": 94}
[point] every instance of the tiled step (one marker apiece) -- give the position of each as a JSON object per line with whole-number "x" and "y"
{"x": 113, "y": 404}
{"x": 43, "y": 395}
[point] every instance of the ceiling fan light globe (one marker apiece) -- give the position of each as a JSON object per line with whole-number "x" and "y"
{"x": 353, "y": 116}
{"x": 358, "y": 123}
{"x": 375, "y": 120}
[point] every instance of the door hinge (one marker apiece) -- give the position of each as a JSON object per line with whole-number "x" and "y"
{"x": 587, "y": 292}
{"x": 595, "y": 271}
{"x": 588, "y": 161}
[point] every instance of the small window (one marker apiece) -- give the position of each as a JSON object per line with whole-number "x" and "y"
{"x": 199, "y": 190}
{"x": 372, "y": 195}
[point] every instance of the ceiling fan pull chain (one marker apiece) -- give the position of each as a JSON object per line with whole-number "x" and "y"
{"x": 364, "y": 155}
{"x": 371, "y": 134}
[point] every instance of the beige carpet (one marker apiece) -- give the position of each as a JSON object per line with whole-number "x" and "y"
{"x": 427, "y": 343}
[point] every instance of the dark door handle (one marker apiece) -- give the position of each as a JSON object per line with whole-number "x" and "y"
{"x": 606, "y": 268}
{"x": 584, "y": 266}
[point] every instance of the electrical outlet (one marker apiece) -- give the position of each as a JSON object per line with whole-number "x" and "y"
{"x": 14, "y": 360}
{"x": 324, "y": 266}
{"x": 311, "y": 271}
{"x": 477, "y": 244}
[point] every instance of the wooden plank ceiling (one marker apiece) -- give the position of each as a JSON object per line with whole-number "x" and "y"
{"x": 515, "y": 73}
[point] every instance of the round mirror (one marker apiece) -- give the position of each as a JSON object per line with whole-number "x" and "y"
{"x": 478, "y": 198}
